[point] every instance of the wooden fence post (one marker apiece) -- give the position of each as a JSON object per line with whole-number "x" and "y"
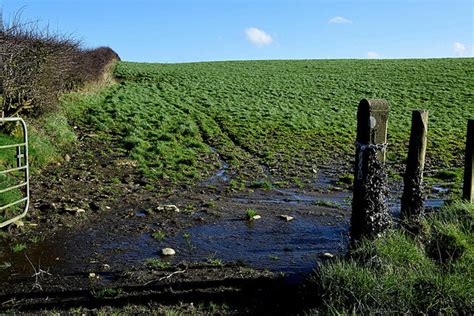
{"x": 370, "y": 214}
{"x": 412, "y": 198}
{"x": 468, "y": 188}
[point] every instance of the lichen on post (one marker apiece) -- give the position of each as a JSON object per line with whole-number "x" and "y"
{"x": 370, "y": 213}
{"x": 412, "y": 198}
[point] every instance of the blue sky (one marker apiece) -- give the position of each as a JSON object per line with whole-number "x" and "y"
{"x": 185, "y": 30}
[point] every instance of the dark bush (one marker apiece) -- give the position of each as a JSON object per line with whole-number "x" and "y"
{"x": 36, "y": 66}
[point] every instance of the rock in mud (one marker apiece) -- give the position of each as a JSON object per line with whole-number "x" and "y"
{"x": 168, "y": 252}
{"x": 326, "y": 255}
{"x": 286, "y": 217}
{"x": 75, "y": 210}
{"x": 169, "y": 208}
{"x": 256, "y": 217}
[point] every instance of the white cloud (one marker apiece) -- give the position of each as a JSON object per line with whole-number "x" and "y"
{"x": 340, "y": 20}
{"x": 373, "y": 55}
{"x": 258, "y": 37}
{"x": 459, "y": 48}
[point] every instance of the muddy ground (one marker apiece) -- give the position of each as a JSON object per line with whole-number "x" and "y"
{"x": 96, "y": 228}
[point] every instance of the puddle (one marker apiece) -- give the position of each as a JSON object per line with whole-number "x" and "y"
{"x": 323, "y": 180}
{"x": 140, "y": 214}
{"x": 289, "y": 197}
{"x": 130, "y": 250}
{"x": 268, "y": 243}
{"x": 395, "y": 205}
{"x": 321, "y": 224}
{"x": 220, "y": 175}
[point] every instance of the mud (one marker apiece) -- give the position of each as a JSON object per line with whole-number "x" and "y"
{"x": 108, "y": 244}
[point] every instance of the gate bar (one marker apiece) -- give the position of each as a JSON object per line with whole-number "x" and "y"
{"x": 20, "y": 167}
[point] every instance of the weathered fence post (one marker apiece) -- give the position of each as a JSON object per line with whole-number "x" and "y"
{"x": 412, "y": 198}
{"x": 468, "y": 189}
{"x": 370, "y": 214}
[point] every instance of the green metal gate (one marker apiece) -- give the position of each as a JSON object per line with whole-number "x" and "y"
{"x": 22, "y": 167}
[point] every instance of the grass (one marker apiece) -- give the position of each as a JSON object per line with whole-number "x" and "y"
{"x": 107, "y": 292}
{"x": 279, "y": 117}
{"x": 158, "y": 235}
{"x": 152, "y": 308}
{"x": 157, "y": 263}
{"x": 400, "y": 273}
{"x": 215, "y": 262}
{"x": 250, "y": 213}
{"x": 16, "y": 248}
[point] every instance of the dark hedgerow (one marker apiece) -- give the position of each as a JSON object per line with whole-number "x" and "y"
{"x": 36, "y": 66}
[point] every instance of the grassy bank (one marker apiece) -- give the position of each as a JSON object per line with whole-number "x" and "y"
{"x": 50, "y": 139}
{"x": 279, "y": 118}
{"x": 431, "y": 272}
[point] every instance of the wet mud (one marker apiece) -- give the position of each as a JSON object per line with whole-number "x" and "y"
{"x": 71, "y": 254}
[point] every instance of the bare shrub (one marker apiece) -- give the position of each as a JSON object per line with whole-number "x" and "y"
{"x": 36, "y": 66}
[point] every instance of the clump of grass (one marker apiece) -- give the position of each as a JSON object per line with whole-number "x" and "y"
{"x": 157, "y": 263}
{"x": 250, "y": 213}
{"x": 449, "y": 175}
{"x": 261, "y": 184}
{"x": 215, "y": 262}
{"x": 107, "y": 292}
{"x": 16, "y": 248}
{"x": 397, "y": 273}
{"x": 346, "y": 179}
{"x": 159, "y": 235}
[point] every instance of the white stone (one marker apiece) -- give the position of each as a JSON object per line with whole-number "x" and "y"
{"x": 287, "y": 217}
{"x": 76, "y": 210}
{"x": 170, "y": 208}
{"x": 256, "y": 217}
{"x": 327, "y": 255}
{"x": 168, "y": 252}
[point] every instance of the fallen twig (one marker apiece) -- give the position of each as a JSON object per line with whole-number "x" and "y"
{"x": 165, "y": 277}
{"x": 38, "y": 273}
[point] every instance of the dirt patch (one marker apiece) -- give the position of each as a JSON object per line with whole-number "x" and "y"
{"x": 96, "y": 228}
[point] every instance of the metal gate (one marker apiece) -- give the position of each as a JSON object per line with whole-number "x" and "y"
{"x": 22, "y": 166}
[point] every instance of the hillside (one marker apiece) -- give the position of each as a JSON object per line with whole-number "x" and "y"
{"x": 278, "y": 119}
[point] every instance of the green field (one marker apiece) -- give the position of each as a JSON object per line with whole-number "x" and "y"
{"x": 278, "y": 118}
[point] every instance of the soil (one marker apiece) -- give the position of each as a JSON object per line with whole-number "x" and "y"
{"x": 89, "y": 234}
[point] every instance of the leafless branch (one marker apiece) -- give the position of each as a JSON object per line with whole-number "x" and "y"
{"x": 38, "y": 274}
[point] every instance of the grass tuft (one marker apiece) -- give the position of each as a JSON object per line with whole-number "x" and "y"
{"x": 250, "y": 213}
{"x": 398, "y": 273}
